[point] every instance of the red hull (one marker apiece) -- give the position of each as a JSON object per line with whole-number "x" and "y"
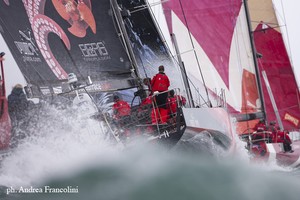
{"x": 5, "y": 125}
{"x": 274, "y": 153}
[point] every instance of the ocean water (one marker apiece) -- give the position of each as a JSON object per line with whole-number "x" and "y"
{"x": 67, "y": 157}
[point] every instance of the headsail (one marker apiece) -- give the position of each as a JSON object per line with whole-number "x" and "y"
{"x": 214, "y": 39}
{"x": 50, "y": 39}
{"x": 275, "y": 63}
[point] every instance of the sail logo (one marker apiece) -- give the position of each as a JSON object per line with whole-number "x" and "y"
{"x": 28, "y": 51}
{"x": 292, "y": 119}
{"x": 94, "y": 51}
{"x": 26, "y": 48}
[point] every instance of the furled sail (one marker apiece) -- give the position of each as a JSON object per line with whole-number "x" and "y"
{"x": 50, "y": 39}
{"x": 275, "y": 63}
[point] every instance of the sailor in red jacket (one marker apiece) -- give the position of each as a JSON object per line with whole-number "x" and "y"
{"x": 145, "y": 109}
{"x": 160, "y": 83}
{"x": 121, "y": 110}
{"x": 174, "y": 101}
{"x": 260, "y": 126}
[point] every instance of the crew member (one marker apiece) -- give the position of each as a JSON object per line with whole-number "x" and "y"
{"x": 260, "y": 126}
{"x": 121, "y": 110}
{"x": 160, "y": 83}
{"x": 18, "y": 108}
{"x": 172, "y": 104}
{"x": 145, "y": 109}
{"x": 121, "y": 116}
{"x": 147, "y": 82}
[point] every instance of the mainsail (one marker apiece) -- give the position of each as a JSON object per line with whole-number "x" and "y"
{"x": 50, "y": 39}
{"x": 276, "y": 65}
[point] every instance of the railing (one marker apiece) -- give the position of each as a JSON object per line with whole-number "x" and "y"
{"x": 294, "y": 135}
{"x": 146, "y": 119}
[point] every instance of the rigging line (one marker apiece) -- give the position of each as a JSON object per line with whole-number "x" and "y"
{"x": 187, "y": 26}
{"x": 144, "y": 6}
{"x": 288, "y": 108}
{"x": 249, "y": 63}
{"x": 287, "y": 35}
{"x": 163, "y": 39}
{"x": 120, "y": 36}
{"x": 258, "y": 22}
{"x": 143, "y": 65}
{"x": 190, "y": 81}
{"x": 264, "y": 29}
{"x": 254, "y": 57}
{"x": 244, "y": 106}
{"x": 283, "y": 18}
{"x": 117, "y": 18}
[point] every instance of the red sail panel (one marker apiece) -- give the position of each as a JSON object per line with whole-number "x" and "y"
{"x": 5, "y": 126}
{"x": 250, "y": 92}
{"x": 212, "y": 23}
{"x": 250, "y": 99}
{"x": 275, "y": 62}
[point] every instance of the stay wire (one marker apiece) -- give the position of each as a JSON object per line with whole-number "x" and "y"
{"x": 198, "y": 63}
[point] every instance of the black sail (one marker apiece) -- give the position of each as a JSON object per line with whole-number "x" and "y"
{"x": 50, "y": 39}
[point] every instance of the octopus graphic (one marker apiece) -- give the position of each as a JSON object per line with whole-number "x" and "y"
{"x": 42, "y": 26}
{"x": 78, "y": 14}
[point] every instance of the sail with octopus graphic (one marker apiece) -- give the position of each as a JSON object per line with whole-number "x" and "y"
{"x": 50, "y": 39}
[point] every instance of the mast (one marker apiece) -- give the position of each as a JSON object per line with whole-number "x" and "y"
{"x": 255, "y": 55}
{"x": 124, "y": 35}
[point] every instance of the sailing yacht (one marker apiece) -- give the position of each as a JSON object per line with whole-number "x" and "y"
{"x": 236, "y": 46}
{"x": 64, "y": 48}
{"x": 278, "y": 84}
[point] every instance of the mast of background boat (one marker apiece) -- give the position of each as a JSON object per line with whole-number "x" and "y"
{"x": 255, "y": 56}
{"x": 183, "y": 72}
{"x": 123, "y": 34}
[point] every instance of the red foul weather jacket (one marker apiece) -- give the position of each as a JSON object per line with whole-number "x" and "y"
{"x": 160, "y": 82}
{"x": 120, "y": 109}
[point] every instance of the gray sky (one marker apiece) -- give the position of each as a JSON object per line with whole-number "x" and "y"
{"x": 291, "y": 28}
{"x": 291, "y": 18}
